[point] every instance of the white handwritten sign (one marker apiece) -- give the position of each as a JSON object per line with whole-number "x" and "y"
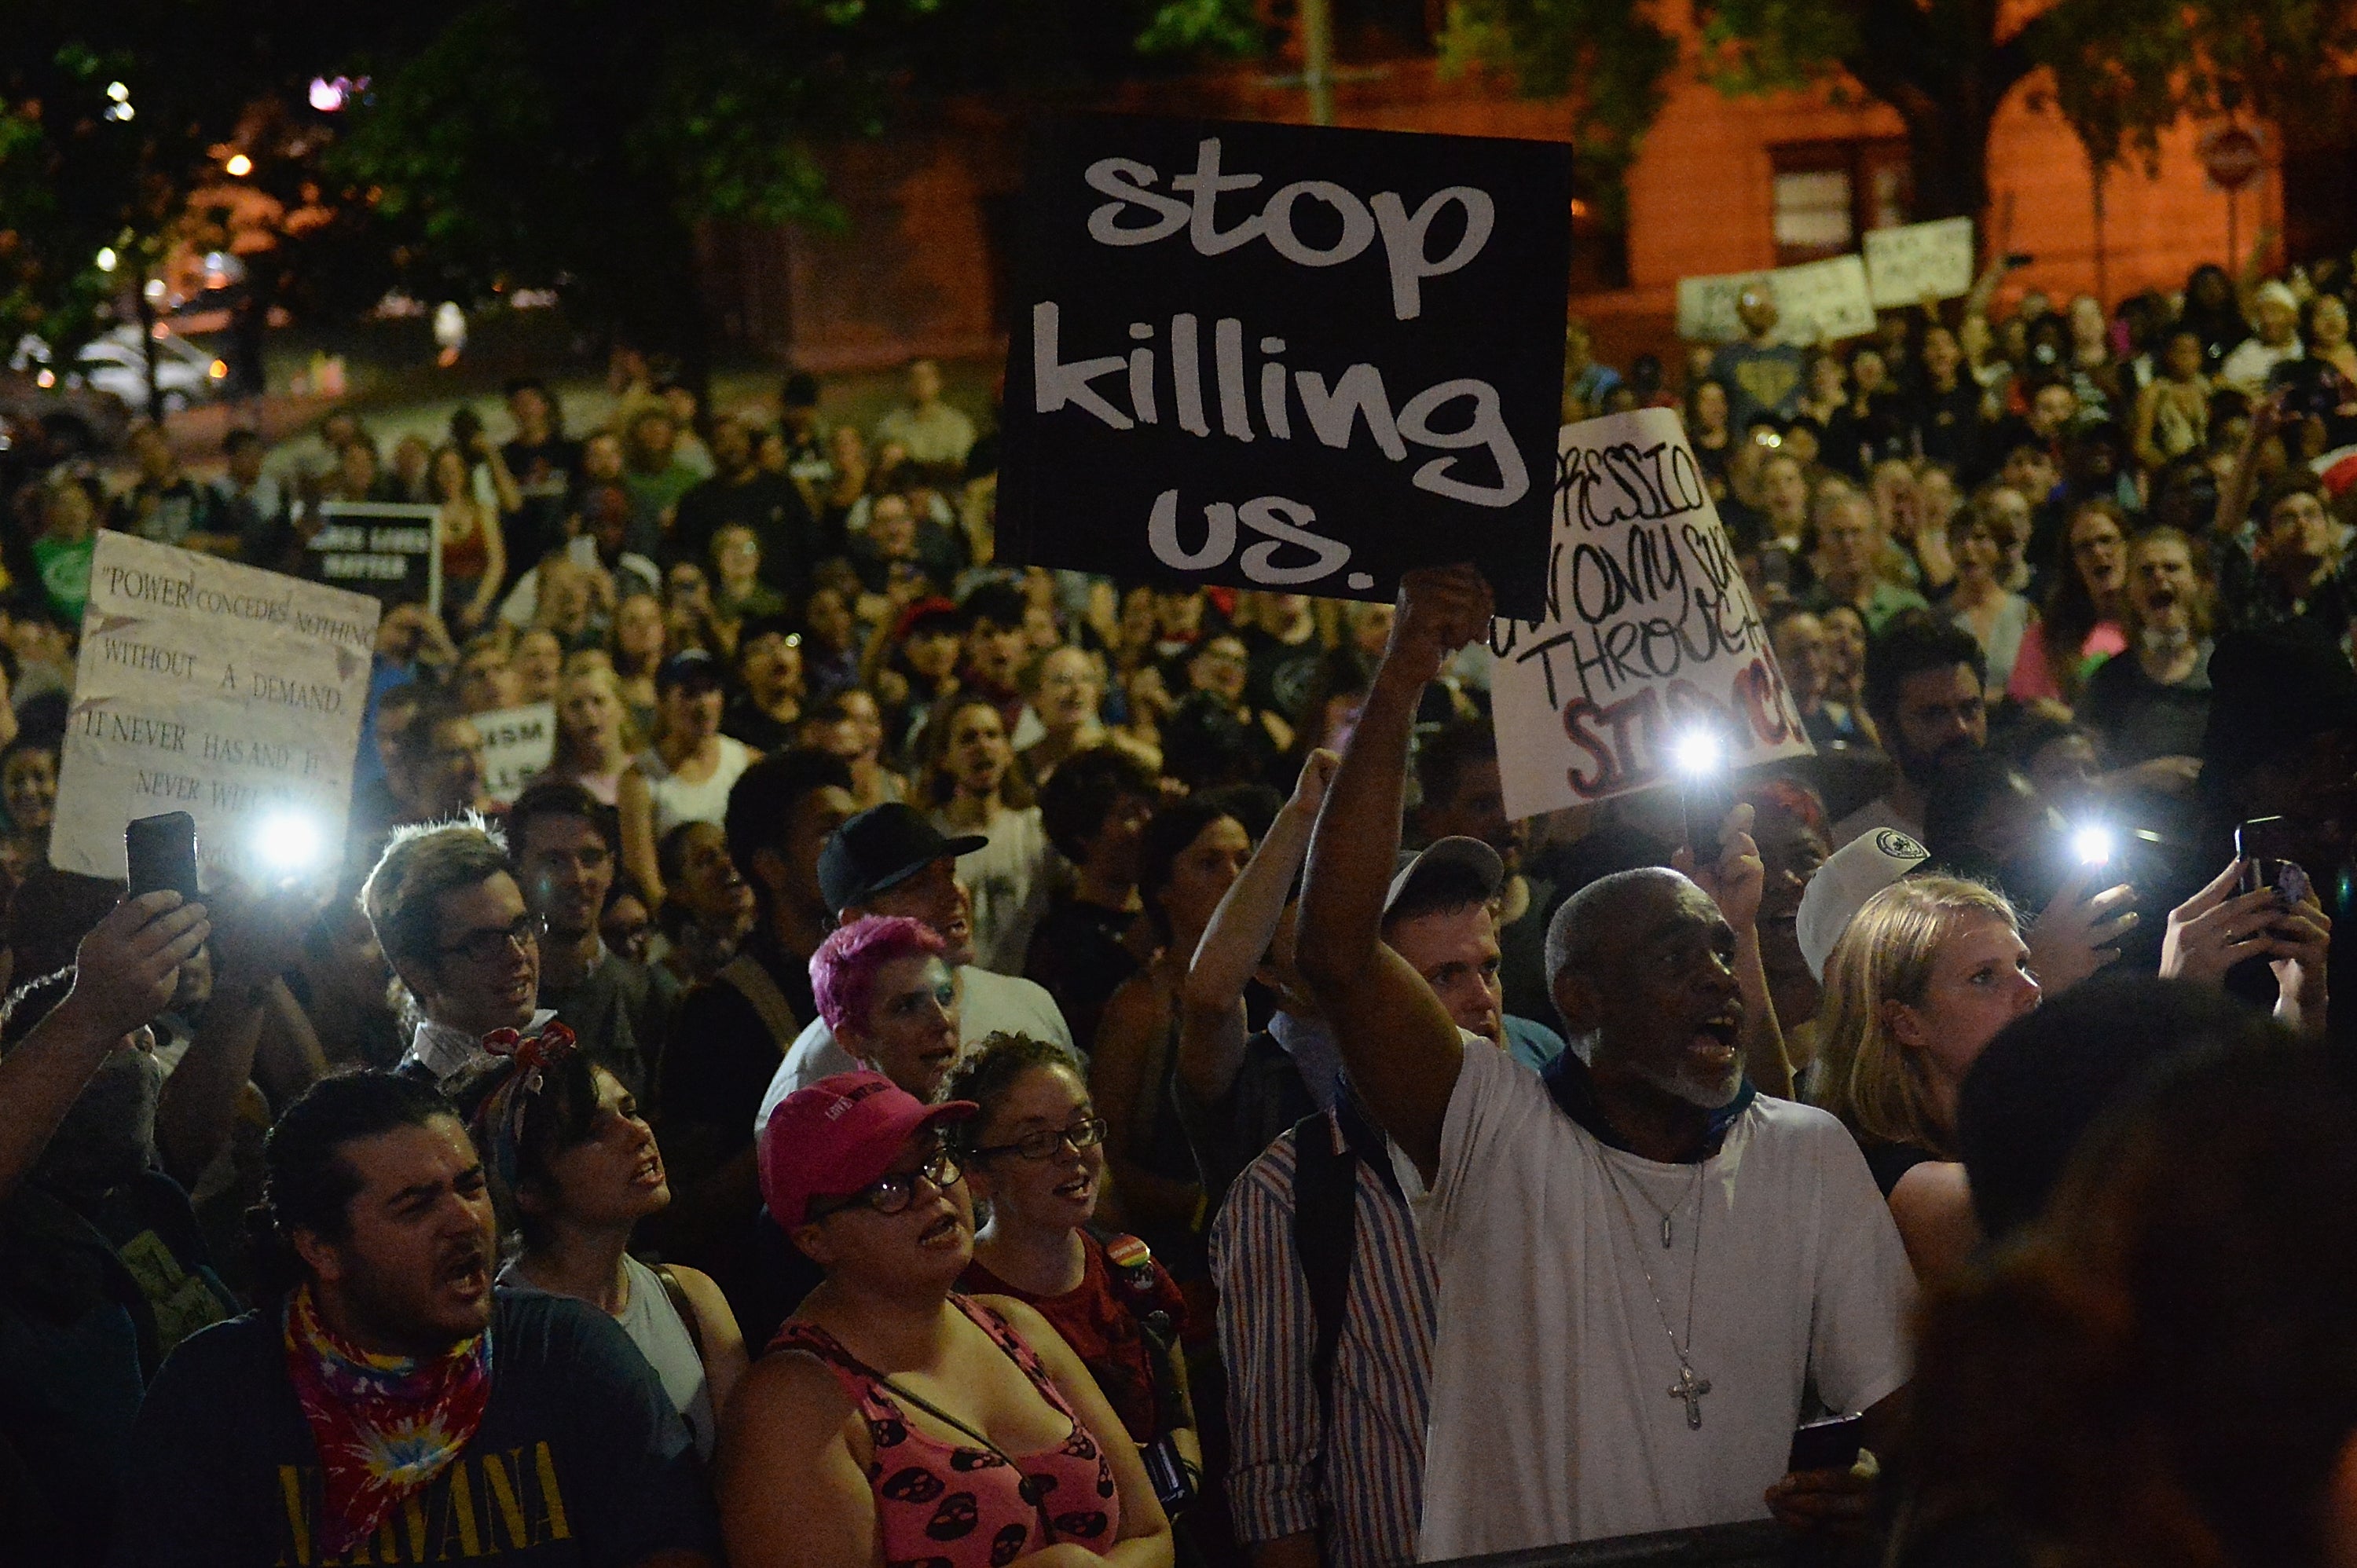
{"x": 1650, "y": 632}
{"x": 1816, "y": 302}
{"x": 518, "y": 745}
{"x": 1915, "y": 262}
{"x": 231, "y": 693}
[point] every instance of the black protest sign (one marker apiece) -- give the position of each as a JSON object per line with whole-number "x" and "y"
{"x": 1650, "y": 640}
{"x": 1284, "y": 357}
{"x": 384, "y": 548}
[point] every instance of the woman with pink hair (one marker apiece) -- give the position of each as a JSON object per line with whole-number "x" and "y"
{"x": 890, "y": 1000}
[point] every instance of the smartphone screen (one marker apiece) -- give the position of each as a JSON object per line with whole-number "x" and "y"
{"x": 1832, "y": 1444}
{"x": 161, "y": 852}
{"x": 2264, "y": 845}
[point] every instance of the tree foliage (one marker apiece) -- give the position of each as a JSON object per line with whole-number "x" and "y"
{"x": 1608, "y": 55}
{"x": 2123, "y": 70}
{"x": 566, "y": 143}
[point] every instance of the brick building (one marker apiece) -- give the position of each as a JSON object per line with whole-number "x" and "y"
{"x": 1723, "y": 184}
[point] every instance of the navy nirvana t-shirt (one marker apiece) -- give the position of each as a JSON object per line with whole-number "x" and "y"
{"x": 580, "y": 1459}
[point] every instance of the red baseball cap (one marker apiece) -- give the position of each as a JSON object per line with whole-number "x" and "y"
{"x": 839, "y": 1135}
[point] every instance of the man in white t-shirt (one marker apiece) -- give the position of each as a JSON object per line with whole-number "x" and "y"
{"x": 891, "y": 860}
{"x": 1644, "y": 1265}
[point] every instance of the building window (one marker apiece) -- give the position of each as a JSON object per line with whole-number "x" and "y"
{"x": 1812, "y": 213}
{"x": 1827, "y": 194}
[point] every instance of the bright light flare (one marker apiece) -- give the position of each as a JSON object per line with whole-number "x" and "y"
{"x": 289, "y": 842}
{"x": 2094, "y": 844}
{"x": 239, "y": 166}
{"x": 1698, "y": 753}
{"x": 107, "y": 259}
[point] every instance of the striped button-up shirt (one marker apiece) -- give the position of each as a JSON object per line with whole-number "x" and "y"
{"x": 1364, "y": 1486}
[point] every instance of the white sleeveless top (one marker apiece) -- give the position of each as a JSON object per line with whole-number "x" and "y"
{"x": 676, "y": 801}
{"x": 654, "y": 1326}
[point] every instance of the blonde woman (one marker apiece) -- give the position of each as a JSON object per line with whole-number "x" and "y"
{"x": 595, "y": 741}
{"x": 1928, "y": 972}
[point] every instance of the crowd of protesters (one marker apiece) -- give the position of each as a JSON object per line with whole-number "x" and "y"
{"x": 959, "y": 1063}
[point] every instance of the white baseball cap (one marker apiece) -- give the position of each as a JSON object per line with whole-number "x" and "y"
{"x": 1850, "y": 875}
{"x": 1470, "y": 853}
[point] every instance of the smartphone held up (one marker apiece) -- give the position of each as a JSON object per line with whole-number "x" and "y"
{"x": 162, "y": 851}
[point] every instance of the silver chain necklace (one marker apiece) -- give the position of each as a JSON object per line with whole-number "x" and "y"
{"x": 1668, "y": 1215}
{"x": 1688, "y": 1387}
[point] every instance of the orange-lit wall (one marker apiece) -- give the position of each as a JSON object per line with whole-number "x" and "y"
{"x": 920, "y": 268}
{"x": 1699, "y": 193}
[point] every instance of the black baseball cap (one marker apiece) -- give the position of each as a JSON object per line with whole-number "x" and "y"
{"x": 880, "y": 848}
{"x": 688, "y": 667}
{"x": 758, "y": 627}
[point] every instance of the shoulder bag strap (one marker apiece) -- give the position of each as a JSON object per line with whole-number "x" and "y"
{"x": 674, "y": 1293}
{"x": 1325, "y": 1234}
{"x": 753, "y": 983}
{"x": 1038, "y": 1503}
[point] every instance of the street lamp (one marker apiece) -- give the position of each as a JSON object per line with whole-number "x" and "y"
{"x": 239, "y": 166}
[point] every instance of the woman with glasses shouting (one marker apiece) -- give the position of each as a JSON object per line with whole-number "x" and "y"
{"x": 1034, "y": 1151}
{"x": 894, "y": 1420}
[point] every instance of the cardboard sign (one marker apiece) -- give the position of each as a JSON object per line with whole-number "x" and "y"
{"x": 1816, "y": 302}
{"x": 1649, "y": 634}
{"x": 1915, "y": 262}
{"x": 518, "y": 745}
{"x": 1285, "y": 357}
{"x": 231, "y": 693}
{"x": 386, "y": 550}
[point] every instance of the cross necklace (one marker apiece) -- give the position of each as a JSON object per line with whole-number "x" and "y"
{"x": 1688, "y": 1387}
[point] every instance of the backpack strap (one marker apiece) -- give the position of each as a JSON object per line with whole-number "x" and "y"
{"x": 753, "y": 983}
{"x": 1129, "y": 1264}
{"x": 1325, "y": 1234}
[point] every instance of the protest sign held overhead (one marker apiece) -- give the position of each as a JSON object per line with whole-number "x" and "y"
{"x": 518, "y": 745}
{"x": 1649, "y": 635}
{"x": 1816, "y": 302}
{"x": 1285, "y": 356}
{"x": 226, "y": 692}
{"x": 1917, "y": 262}
{"x": 387, "y": 550}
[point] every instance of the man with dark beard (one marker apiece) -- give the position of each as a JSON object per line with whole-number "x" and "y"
{"x": 383, "y": 1405}
{"x": 1925, "y": 682}
{"x": 1668, "y": 1260}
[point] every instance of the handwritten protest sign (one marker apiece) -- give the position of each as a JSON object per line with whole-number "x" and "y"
{"x": 386, "y": 550}
{"x": 1816, "y": 301}
{"x": 1920, "y": 261}
{"x": 1649, "y": 631}
{"x": 231, "y": 693}
{"x": 1285, "y": 357}
{"x": 518, "y": 745}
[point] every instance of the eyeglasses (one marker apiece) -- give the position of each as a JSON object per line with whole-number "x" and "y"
{"x": 490, "y": 946}
{"x": 895, "y": 1192}
{"x": 1047, "y": 1143}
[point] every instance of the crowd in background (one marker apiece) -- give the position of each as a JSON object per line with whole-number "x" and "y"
{"x": 959, "y": 1023}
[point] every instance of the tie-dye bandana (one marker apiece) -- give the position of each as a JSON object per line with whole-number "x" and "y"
{"x": 385, "y": 1425}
